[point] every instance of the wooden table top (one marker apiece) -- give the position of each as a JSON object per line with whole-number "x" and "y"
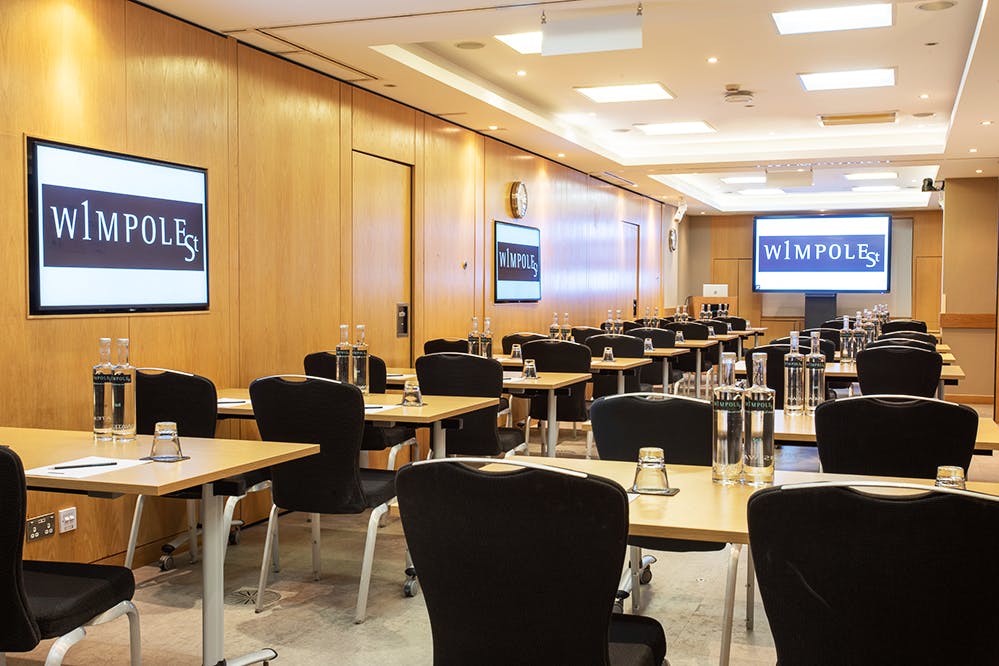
{"x": 703, "y": 511}
{"x": 948, "y": 373}
{"x": 946, "y": 357}
{"x": 801, "y": 428}
{"x": 211, "y": 459}
{"x": 618, "y": 363}
{"x": 507, "y": 361}
{"x": 545, "y": 381}
{"x": 667, "y": 352}
{"x": 435, "y": 408}
{"x": 943, "y": 348}
{"x": 698, "y": 344}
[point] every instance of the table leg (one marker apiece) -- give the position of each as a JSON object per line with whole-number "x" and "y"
{"x": 721, "y": 349}
{"x": 738, "y": 346}
{"x": 552, "y": 424}
{"x": 620, "y": 381}
{"x": 729, "y": 610}
{"x": 697, "y": 376}
{"x": 666, "y": 374}
{"x": 940, "y": 390}
{"x": 439, "y": 442}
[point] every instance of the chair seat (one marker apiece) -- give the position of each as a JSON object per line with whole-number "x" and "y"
{"x": 675, "y": 545}
{"x": 378, "y": 485}
{"x": 232, "y": 486}
{"x": 504, "y": 404}
{"x": 66, "y": 595}
{"x": 635, "y": 639}
{"x": 377, "y": 438}
{"x": 510, "y": 438}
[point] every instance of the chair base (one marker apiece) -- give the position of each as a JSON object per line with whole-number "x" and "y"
{"x": 62, "y": 644}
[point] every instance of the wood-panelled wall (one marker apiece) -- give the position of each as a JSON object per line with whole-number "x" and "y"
{"x": 278, "y": 141}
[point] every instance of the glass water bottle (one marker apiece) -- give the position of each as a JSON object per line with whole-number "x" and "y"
{"x": 608, "y": 325}
{"x": 618, "y": 323}
{"x": 343, "y": 368}
{"x": 759, "y": 400}
{"x": 474, "y": 338}
{"x": 794, "y": 378}
{"x": 102, "y": 375}
{"x": 726, "y": 426}
{"x": 554, "y": 330}
{"x": 359, "y": 354}
{"x": 486, "y": 340}
{"x": 566, "y": 328}
{"x": 847, "y": 350}
{"x": 123, "y": 396}
{"x": 815, "y": 375}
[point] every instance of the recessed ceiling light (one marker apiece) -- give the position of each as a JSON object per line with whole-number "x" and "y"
{"x": 936, "y": 6}
{"x": 712, "y": 60}
{"x": 833, "y": 18}
{"x": 522, "y": 42}
{"x": 986, "y": 122}
{"x": 521, "y": 72}
{"x": 857, "y": 78}
{"x": 924, "y": 114}
{"x": 561, "y": 155}
{"x": 659, "y": 129}
{"x": 978, "y": 170}
{"x": 871, "y": 175}
{"x": 924, "y": 96}
{"x": 762, "y": 192}
{"x": 744, "y": 180}
{"x": 703, "y": 213}
{"x": 972, "y": 150}
{"x": 493, "y": 128}
{"x": 470, "y": 46}
{"x": 634, "y": 92}
{"x": 876, "y": 188}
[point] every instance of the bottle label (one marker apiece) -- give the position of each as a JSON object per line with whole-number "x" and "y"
{"x": 759, "y": 405}
{"x": 792, "y": 363}
{"x": 360, "y": 353}
{"x": 113, "y": 379}
{"x": 816, "y": 364}
{"x": 101, "y": 378}
{"x": 342, "y": 353}
{"x": 726, "y": 405}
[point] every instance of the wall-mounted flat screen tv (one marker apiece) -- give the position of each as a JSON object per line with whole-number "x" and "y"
{"x": 847, "y": 253}
{"x": 111, "y": 233}
{"x": 518, "y": 263}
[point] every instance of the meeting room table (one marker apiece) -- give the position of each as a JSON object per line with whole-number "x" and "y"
{"x": 704, "y": 511}
{"x": 210, "y": 460}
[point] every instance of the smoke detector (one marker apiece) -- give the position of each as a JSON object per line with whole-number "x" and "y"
{"x": 734, "y": 94}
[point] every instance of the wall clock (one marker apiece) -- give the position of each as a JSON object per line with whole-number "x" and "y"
{"x": 518, "y": 198}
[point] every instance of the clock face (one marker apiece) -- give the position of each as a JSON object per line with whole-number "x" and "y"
{"x": 672, "y": 239}
{"x": 518, "y": 199}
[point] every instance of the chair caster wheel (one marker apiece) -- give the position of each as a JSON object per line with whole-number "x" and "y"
{"x": 645, "y": 576}
{"x": 618, "y": 606}
{"x": 166, "y": 563}
{"x": 409, "y": 587}
{"x": 234, "y": 537}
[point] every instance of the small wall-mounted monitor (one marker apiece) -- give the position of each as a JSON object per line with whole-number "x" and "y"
{"x": 517, "y": 267}
{"x": 112, "y": 233}
{"x": 845, "y": 253}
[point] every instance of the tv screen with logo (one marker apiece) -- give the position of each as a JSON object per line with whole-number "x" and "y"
{"x": 848, "y": 253}
{"x": 518, "y": 263}
{"x": 111, "y": 233}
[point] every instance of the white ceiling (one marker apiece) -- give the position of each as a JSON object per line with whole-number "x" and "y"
{"x": 407, "y": 51}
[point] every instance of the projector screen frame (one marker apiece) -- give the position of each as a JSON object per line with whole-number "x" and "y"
{"x": 887, "y": 259}
{"x": 32, "y": 264}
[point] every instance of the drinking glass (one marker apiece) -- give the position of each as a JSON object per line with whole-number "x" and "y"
{"x": 608, "y": 354}
{"x": 515, "y": 352}
{"x": 530, "y": 370}
{"x": 950, "y": 477}
{"x": 166, "y": 443}
{"x": 648, "y": 344}
{"x": 650, "y": 475}
{"x": 411, "y": 396}
{"x": 679, "y": 336}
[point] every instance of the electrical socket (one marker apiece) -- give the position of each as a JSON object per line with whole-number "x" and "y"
{"x": 67, "y": 519}
{"x": 42, "y": 526}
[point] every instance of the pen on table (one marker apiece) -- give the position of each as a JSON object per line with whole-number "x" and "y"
{"x": 100, "y": 464}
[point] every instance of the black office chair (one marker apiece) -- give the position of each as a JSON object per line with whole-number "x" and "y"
{"x": 376, "y": 437}
{"x": 827, "y": 348}
{"x": 681, "y": 427}
{"x": 830, "y": 334}
{"x": 775, "y": 367}
{"x": 570, "y": 402}
{"x": 581, "y": 334}
{"x": 464, "y": 374}
{"x": 190, "y": 401}
{"x": 320, "y": 411}
{"x": 905, "y": 436}
{"x": 661, "y": 339}
{"x": 624, "y": 346}
{"x": 738, "y": 323}
{"x": 850, "y": 575}
{"x": 43, "y": 600}
{"x": 896, "y": 325}
{"x": 693, "y": 331}
{"x": 628, "y": 325}
{"x": 518, "y": 339}
{"x": 719, "y": 327}
{"x": 837, "y": 323}
{"x": 438, "y": 345}
{"x": 899, "y": 370}
{"x": 911, "y": 335}
{"x": 902, "y": 342}
{"x": 465, "y": 526}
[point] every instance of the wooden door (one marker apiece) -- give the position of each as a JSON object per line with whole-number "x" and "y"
{"x": 631, "y": 268}
{"x": 382, "y": 253}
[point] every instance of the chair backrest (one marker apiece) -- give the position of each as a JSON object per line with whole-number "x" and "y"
{"x": 905, "y": 436}
{"x": 830, "y": 334}
{"x": 661, "y": 337}
{"x": 465, "y": 526}
{"x": 518, "y": 339}
{"x": 692, "y": 330}
{"x": 438, "y": 345}
{"x": 775, "y": 366}
{"x": 717, "y": 326}
{"x": 680, "y": 426}
{"x": 903, "y": 325}
{"x": 902, "y": 342}
{"x": 581, "y": 334}
{"x": 837, "y": 323}
{"x": 465, "y": 374}
{"x": 899, "y": 370}
{"x": 864, "y": 578}
{"x": 323, "y": 364}
{"x": 169, "y": 395}
{"x": 628, "y": 325}
{"x": 19, "y": 631}
{"x": 738, "y": 323}
{"x": 624, "y": 346}
{"x": 313, "y": 410}
{"x": 827, "y": 347}
{"x": 911, "y": 335}
{"x": 560, "y": 356}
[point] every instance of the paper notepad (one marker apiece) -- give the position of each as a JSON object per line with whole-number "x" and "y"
{"x": 84, "y": 472}
{"x": 371, "y": 409}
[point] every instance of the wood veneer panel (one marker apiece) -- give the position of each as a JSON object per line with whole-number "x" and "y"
{"x": 967, "y": 320}
{"x": 926, "y": 289}
{"x": 382, "y": 127}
